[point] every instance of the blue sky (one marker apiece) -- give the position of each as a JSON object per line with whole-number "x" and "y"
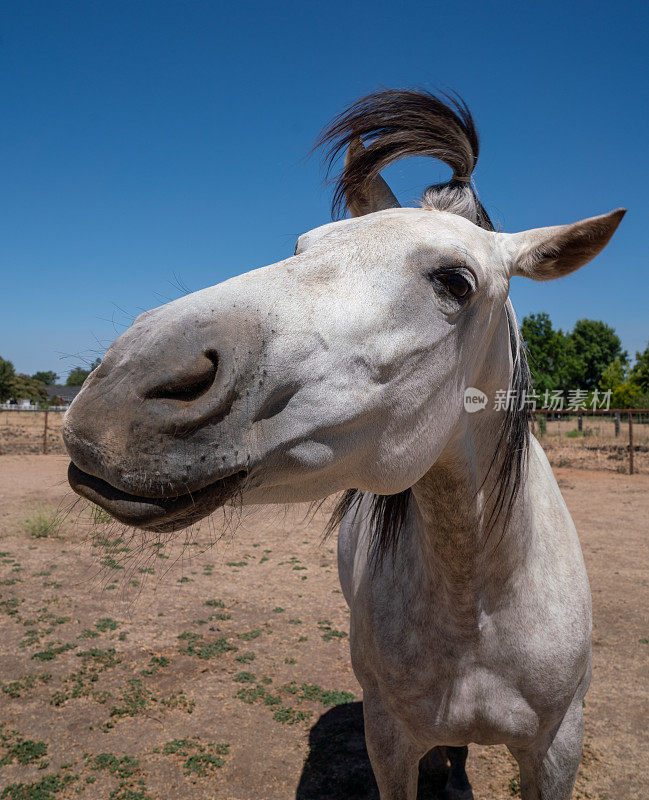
{"x": 149, "y": 143}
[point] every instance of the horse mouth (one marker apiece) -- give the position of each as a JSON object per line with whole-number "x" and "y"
{"x": 157, "y": 514}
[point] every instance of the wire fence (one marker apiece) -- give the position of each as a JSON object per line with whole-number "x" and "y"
{"x": 615, "y": 440}
{"x": 31, "y": 431}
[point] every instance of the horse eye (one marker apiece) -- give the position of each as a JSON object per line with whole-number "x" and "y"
{"x": 456, "y": 284}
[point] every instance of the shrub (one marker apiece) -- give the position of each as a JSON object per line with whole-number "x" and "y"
{"x": 41, "y": 523}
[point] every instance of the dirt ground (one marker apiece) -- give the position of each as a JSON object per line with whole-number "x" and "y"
{"x": 134, "y": 669}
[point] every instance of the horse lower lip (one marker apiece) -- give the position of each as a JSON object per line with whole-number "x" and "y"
{"x": 163, "y": 513}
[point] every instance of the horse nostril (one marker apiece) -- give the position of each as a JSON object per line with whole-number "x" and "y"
{"x": 190, "y": 384}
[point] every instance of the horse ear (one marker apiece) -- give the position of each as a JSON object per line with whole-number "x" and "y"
{"x": 376, "y": 196}
{"x": 547, "y": 253}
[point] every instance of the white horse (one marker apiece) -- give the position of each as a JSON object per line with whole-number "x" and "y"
{"x": 344, "y": 367}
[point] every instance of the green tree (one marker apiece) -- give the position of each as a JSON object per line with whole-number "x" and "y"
{"x": 48, "y": 378}
{"x": 640, "y": 371}
{"x": 595, "y": 344}
{"x": 78, "y": 375}
{"x": 7, "y": 373}
{"x": 614, "y": 375}
{"x": 553, "y": 361}
{"x": 22, "y": 387}
{"x": 628, "y": 395}
{"x": 625, "y": 393}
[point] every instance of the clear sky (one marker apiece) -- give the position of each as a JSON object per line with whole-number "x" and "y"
{"x": 149, "y": 145}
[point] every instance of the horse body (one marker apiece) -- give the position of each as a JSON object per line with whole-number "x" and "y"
{"x": 446, "y": 636}
{"x": 344, "y": 368}
{"x": 465, "y": 633}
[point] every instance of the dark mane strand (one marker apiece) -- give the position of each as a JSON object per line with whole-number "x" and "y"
{"x": 393, "y": 125}
{"x": 512, "y": 447}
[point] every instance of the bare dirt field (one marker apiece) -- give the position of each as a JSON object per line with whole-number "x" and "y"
{"x": 134, "y": 669}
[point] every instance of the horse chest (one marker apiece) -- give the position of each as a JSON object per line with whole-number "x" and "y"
{"x": 445, "y": 683}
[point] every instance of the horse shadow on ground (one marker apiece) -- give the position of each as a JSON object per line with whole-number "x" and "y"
{"x": 338, "y": 767}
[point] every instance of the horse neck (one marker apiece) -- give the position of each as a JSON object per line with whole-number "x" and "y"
{"x": 468, "y": 553}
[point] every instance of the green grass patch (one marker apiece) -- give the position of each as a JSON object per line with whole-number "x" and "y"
{"x": 135, "y": 699}
{"x": 577, "y": 434}
{"x": 110, "y": 562}
{"x": 123, "y": 767}
{"x": 21, "y": 686}
{"x": 328, "y": 632}
{"x": 23, "y": 751}
{"x": 52, "y": 651}
{"x": 179, "y": 700}
{"x": 45, "y": 789}
{"x": 88, "y": 633}
{"x": 99, "y": 516}
{"x": 290, "y": 716}
{"x": 244, "y": 677}
{"x": 42, "y": 522}
{"x": 115, "y": 546}
{"x": 10, "y": 606}
{"x": 82, "y": 682}
{"x": 245, "y": 658}
{"x": 155, "y": 663}
{"x": 105, "y": 658}
{"x": 197, "y": 646}
{"x": 200, "y": 759}
{"x": 257, "y": 693}
{"x": 106, "y": 624}
{"x": 250, "y": 635}
{"x": 328, "y": 697}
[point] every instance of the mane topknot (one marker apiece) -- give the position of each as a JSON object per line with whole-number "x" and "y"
{"x": 398, "y": 123}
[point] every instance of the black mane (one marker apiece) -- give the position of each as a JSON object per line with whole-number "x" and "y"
{"x": 398, "y": 123}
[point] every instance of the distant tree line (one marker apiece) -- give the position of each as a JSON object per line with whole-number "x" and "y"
{"x": 589, "y": 357}
{"x": 18, "y": 386}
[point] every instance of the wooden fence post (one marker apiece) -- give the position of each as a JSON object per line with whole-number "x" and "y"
{"x": 630, "y": 443}
{"x": 616, "y": 419}
{"x": 45, "y": 434}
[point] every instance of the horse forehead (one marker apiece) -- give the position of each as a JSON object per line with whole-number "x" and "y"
{"x": 394, "y": 228}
